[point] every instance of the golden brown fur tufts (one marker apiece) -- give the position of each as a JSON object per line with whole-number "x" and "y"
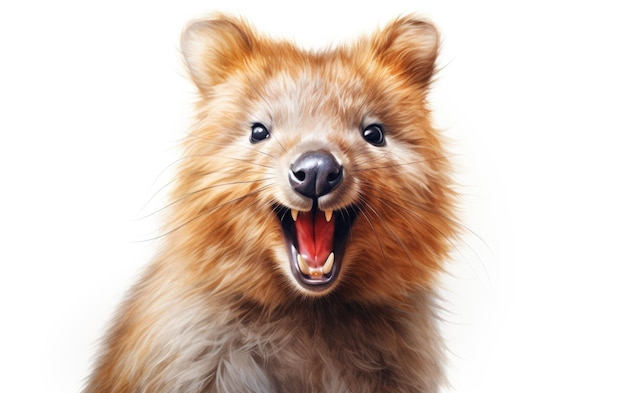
{"x": 225, "y": 307}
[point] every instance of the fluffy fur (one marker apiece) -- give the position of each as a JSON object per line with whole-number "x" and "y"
{"x": 219, "y": 309}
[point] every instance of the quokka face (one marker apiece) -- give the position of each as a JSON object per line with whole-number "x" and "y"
{"x": 317, "y": 172}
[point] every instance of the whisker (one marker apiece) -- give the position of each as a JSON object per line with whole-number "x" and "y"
{"x": 200, "y": 174}
{"x": 388, "y": 166}
{"x": 226, "y": 144}
{"x": 194, "y": 156}
{"x": 455, "y": 222}
{"x": 169, "y": 183}
{"x": 390, "y": 231}
{"x": 190, "y": 157}
{"x": 371, "y": 225}
{"x": 389, "y": 202}
{"x": 238, "y": 159}
{"x": 187, "y": 195}
{"x": 206, "y": 212}
{"x": 279, "y": 144}
{"x": 344, "y": 216}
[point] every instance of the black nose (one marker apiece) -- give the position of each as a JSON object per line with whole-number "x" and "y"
{"x": 315, "y": 173}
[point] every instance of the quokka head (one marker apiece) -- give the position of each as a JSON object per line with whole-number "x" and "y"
{"x": 311, "y": 173}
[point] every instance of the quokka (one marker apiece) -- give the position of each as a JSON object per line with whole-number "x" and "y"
{"x": 311, "y": 217}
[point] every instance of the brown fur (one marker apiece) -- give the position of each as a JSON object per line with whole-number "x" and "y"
{"x": 218, "y": 310}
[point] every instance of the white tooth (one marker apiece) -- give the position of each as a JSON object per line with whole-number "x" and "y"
{"x": 294, "y": 214}
{"x": 328, "y": 265}
{"x": 328, "y": 214}
{"x": 304, "y": 268}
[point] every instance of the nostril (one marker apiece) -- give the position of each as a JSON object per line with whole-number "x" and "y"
{"x": 333, "y": 177}
{"x": 300, "y": 175}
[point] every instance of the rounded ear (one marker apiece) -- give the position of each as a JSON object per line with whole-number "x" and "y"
{"x": 409, "y": 46}
{"x": 214, "y": 48}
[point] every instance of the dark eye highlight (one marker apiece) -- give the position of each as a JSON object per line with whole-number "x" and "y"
{"x": 374, "y": 134}
{"x": 258, "y": 133}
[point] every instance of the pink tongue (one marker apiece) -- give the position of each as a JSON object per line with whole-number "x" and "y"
{"x": 315, "y": 237}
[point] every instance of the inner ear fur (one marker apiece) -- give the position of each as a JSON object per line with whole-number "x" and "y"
{"x": 214, "y": 47}
{"x": 409, "y": 46}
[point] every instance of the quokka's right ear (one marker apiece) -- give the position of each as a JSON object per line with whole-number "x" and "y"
{"x": 213, "y": 48}
{"x": 409, "y": 46}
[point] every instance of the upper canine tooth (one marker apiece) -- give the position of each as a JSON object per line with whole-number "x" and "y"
{"x": 328, "y": 214}
{"x": 328, "y": 265}
{"x": 294, "y": 214}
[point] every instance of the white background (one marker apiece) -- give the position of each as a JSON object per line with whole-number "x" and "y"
{"x": 93, "y": 101}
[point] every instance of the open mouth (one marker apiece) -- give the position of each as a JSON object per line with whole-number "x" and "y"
{"x": 316, "y": 242}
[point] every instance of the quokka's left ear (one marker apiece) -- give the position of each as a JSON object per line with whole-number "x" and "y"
{"x": 409, "y": 46}
{"x": 213, "y": 48}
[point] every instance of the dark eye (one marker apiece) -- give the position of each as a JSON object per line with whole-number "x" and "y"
{"x": 374, "y": 134}
{"x": 259, "y": 133}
